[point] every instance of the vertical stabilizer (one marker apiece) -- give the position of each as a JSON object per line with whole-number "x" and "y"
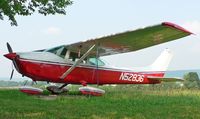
{"x": 162, "y": 62}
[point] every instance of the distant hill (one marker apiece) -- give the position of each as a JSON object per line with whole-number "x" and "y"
{"x": 14, "y": 79}
{"x": 180, "y": 73}
{"x": 9, "y": 83}
{"x": 6, "y": 82}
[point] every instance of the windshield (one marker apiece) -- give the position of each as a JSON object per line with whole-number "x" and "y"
{"x": 60, "y": 51}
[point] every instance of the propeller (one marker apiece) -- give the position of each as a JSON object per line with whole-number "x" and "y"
{"x": 13, "y": 60}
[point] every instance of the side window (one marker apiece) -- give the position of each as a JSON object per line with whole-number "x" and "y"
{"x": 73, "y": 56}
{"x": 94, "y": 61}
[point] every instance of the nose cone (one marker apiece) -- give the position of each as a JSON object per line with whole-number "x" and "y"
{"x": 10, "y": 56}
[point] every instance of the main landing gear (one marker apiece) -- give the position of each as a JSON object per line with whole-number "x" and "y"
{"x": 85, "y": 90}
{"x": 56, "y": 89}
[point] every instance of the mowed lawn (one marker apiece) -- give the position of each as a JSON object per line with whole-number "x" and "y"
{"x": 118, "y": 102}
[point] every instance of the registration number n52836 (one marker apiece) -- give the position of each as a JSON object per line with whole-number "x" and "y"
{"x": 131, "y": 77}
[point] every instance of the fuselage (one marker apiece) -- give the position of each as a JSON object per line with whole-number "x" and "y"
{"x": 45, "y": 66}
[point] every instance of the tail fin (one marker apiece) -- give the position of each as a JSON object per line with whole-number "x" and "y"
{"x": 162, "y": 62}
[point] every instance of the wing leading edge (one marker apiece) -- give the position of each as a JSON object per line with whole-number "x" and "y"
{"x": 132, "y": 40}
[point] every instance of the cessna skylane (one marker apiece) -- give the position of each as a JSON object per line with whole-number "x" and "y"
{"x": 80, "y": 63}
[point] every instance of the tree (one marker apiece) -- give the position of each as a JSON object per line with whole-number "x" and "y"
{"x": 11, "y": 8}
{"x": 191, "y": 80}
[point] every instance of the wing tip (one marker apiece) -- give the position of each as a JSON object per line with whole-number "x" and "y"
{"x": 169, "y": 24}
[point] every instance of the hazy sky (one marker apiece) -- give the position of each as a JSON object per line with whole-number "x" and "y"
{"x": 87, "y": 19}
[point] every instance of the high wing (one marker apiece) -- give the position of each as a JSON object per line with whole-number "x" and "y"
{"x": 132, "y": 40}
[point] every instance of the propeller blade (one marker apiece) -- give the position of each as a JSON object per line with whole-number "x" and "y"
{"x": 9, "y": 48}
{"x": 15, "y": 64}
{"x": 12, "y": 74}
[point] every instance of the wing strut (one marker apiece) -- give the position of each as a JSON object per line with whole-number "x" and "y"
{"x": 77, "y": 63}
{"x": 97, "y": 64}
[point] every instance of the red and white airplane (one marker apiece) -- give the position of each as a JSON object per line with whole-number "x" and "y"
{"x": 80, "y": 63}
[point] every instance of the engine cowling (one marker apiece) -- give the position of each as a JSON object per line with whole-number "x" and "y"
{"x": 86, "y": 90}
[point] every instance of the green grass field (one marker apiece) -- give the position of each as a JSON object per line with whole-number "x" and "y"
{"x": 118, "y": 102}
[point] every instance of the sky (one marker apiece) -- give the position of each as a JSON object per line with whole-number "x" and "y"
{"x": 91, "y": 18}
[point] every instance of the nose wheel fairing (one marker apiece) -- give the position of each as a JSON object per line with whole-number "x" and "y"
{"x": 31, "y": 90}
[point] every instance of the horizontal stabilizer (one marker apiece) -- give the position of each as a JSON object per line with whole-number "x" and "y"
{"x": 167, "y": 79}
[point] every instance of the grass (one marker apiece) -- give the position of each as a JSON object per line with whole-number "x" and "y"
{"x": 118, "y": 102}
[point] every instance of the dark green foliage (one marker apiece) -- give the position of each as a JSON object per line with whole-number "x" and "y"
{"x": 191, "y": 80}
{"x": 11, "y": 8}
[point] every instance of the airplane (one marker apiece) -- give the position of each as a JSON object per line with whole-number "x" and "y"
{"x": 81, "y": 63}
